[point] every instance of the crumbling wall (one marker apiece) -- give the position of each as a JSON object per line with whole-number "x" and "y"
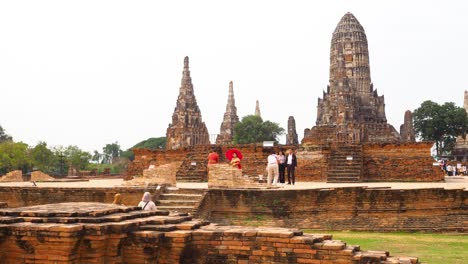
{"x": 353, "y": 208}
{"x": 400, "y": 162}
{"x": 27, "y": 196}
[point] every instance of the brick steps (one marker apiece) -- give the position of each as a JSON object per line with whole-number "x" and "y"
{"x": 180, "y": 200}
{"x": 342, "y": 169}
{"x": 197, "y": 172}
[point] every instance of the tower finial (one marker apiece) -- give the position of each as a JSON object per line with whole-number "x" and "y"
{"x": 186, "y": 62}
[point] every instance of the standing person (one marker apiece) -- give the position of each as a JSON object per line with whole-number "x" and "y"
{"x": 213, "y": 158}
{"x": 291, "y": 163}
{"x": 235, "y": 161}
{"x": 272, "y": 168}
{"x": 449, "y": 170}
{"x": 146, "y": 203}
{"x": 281, "y": 165}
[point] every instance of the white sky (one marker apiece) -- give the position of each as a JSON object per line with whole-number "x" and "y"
{"x": 89, "y": 73}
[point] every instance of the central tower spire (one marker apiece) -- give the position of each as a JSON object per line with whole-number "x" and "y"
{"x": 350, "y": 111}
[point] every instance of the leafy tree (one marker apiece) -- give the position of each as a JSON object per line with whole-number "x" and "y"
{"x": 150, "y": 143}
{"x": 3, "y": 136}
{"x": 440, "y": 123}
{"x": 252, "y": 129}
{"x": 96, "y": 156}
{"x": 76, "y": 157}
{"x": 42, "y": 157}
{"x": 110, "y": 152}
{"x": 14, "y": 156}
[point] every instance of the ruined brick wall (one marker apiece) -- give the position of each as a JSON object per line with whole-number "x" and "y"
{"x": 225, "y": 176}
{"x": 399, "y": 162}
{"x": 340, "y": 209}
{"x": 381, "y": 162}
{"x": 145, "y": 157}
{"x": 27, "y": 196}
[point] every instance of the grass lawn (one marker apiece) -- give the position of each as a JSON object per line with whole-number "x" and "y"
{"x": 429, "y": 248}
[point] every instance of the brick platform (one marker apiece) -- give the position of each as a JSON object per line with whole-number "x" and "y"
{"x": 104, "y": 233}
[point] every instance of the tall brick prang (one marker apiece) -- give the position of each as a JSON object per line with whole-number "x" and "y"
{"x": 187, "y": 127}
{"x": 230, "y": 119}
{"x": 291, "y": 137}
{"x": 350, "y": 111}
{"x": 407, "y": 130}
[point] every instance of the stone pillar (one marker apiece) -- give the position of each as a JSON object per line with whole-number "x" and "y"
{"x": 407, "y": 130}
{"x": 291, "y": 138}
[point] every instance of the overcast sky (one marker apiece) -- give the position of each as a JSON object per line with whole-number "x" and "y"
{"x": 88, "y": 73}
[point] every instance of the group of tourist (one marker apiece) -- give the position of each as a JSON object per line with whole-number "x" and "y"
{"x": 451, "y": 170}
{"x": 277, "y": 164}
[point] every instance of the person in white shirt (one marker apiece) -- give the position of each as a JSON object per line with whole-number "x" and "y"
{"x": 272, "y": 168}
{"x": 146, "y": 203}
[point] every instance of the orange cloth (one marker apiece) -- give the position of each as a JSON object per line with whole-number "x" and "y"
{"x": 213, "y": 158}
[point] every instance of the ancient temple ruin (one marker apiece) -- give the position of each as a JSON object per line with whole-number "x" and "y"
{"x": 187, "y": 128}
{"x": 460, "y": 151}
{"x": 350, "y": 111}
{"x": 291, "y": 137}
{"x": 407, "y": 130}
{"x": 229, "y": 121}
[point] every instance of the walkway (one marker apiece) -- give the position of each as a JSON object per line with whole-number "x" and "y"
{"x": 450, "y": 183}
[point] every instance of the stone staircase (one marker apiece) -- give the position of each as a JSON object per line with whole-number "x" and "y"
{"x": 180, "y": 200}
{"x": 193, "y": 168}
{"x": 345, "y": 164}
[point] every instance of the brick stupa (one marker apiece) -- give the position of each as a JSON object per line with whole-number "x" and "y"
{"x": 229, "y": 121}
{"x": 187, "y": 128}
{"x": 291, "y": 137}
{"x": 350, "y": 111}
{"x": 407, "y": 130}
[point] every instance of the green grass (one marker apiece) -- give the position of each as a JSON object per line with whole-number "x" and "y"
{"x": 428, "y": 247}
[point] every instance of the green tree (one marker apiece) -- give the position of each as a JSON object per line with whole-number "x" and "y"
{"x": 14, "y": 156}
{"x": 440, "y": 123}
{"x": 42, "y": 158}
{"x": 252, "y": 129}
{"x": 3, "y": 136}
{"x": 76, "y": 157}
{"x": 110, "y": 152}
{"x": 150, "y": 143}
{"x": 96, "y": 156}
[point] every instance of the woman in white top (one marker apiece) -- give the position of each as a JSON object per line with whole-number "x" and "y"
{"x": 146, "y": 203}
